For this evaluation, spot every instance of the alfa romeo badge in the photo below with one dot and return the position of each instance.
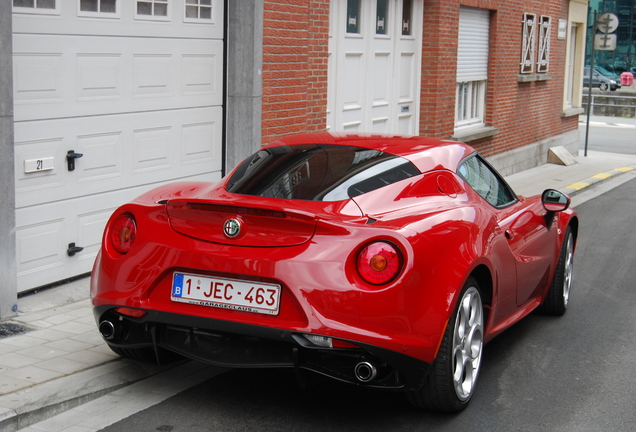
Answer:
(232, 227)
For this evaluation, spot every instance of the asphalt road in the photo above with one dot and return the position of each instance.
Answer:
(612, 135)
(573, 373)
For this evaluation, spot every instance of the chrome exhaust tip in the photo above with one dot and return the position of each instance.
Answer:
(365, 371)
(107, 330)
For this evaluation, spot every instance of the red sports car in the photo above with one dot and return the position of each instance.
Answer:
(380, 261)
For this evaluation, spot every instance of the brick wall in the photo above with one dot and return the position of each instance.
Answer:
(295, 55)
(295, 43)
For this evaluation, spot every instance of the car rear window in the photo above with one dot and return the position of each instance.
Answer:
(318, 172)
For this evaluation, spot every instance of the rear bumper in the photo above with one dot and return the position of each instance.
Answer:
(240, 345)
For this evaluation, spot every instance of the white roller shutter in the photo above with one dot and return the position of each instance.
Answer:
(472, 50)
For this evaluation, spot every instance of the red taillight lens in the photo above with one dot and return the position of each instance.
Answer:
(123, 233)
(379, 263)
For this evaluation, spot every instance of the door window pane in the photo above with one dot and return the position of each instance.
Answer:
(99, 6)
(198, 9)
(158, 8)
(37, 4)
(353, 16)
(407, 8)
(381, 17)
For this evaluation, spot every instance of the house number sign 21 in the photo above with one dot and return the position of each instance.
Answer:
(37, 165)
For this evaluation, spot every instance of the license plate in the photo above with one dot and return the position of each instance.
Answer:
(224, 293)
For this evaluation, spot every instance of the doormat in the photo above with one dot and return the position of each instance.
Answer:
(12, 328)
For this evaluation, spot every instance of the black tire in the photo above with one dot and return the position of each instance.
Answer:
(146, 355)
(450, 382)
(603, 86)
(558, 297)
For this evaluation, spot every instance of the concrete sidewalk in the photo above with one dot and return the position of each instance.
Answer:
(52, 358)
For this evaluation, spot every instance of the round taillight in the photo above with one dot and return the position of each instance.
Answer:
(123, 233)
(379, 263)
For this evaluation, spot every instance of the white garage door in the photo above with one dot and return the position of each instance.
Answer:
(135, 88)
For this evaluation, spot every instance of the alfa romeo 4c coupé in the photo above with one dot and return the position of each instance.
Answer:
(380, 261)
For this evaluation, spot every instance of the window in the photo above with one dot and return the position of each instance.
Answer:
(196, 10)
(470, 103)
(407, 7)
(318, 172)
(569, 91)
(574, 32)
(98, 9)
(543, 62)
(529, 58)
(37, 4)
(99, 6)
(152, 9)
(381, 17)
(486, 182)
(528, 43)
(472, 67)
(49, 7)
(353, 16)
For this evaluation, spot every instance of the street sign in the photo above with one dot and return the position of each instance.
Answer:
(607, 23)
(605, 42)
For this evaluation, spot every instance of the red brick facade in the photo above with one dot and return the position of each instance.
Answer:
(295, 43)
(295, 56)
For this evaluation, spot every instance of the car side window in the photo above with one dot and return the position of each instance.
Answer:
(486, 182)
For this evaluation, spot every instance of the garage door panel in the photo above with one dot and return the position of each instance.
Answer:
(39, 150)
(201, 74)
(102, 156)
(101, 76)
(126, 22)
(152, 75)
(36, 246)
(37, 78)
(199, 144)
(152, 149)
(118, 151)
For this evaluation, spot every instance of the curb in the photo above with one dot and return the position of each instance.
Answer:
(25, 407)
(578, 187)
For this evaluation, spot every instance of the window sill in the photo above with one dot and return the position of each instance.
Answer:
(570, 112)
(534, 77)
(473, 134)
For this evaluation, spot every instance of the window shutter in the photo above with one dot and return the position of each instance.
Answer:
(472, 49)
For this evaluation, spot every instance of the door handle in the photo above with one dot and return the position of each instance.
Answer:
(72, 249)
(70, 159)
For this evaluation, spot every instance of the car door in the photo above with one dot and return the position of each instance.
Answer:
(522, 221)
(531, 242)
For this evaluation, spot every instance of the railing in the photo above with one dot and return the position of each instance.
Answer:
(612, 105)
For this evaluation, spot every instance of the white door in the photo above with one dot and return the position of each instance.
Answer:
(135, 88)
(374, 66)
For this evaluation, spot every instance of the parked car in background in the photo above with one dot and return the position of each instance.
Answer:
(381, 261)
(600, 80)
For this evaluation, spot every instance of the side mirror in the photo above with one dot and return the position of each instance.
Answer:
(555, 201)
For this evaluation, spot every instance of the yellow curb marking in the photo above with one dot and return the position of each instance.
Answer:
(578, 186)
(602, 176)
(624, 169)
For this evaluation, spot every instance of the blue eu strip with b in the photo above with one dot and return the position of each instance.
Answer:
(177, 286)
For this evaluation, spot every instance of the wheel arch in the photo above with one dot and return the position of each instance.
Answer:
(574, 225)
(483, 276)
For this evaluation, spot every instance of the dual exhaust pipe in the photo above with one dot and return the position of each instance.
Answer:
(365, 371)
(107, 330)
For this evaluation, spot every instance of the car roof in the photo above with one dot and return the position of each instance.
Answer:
(426, 154)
